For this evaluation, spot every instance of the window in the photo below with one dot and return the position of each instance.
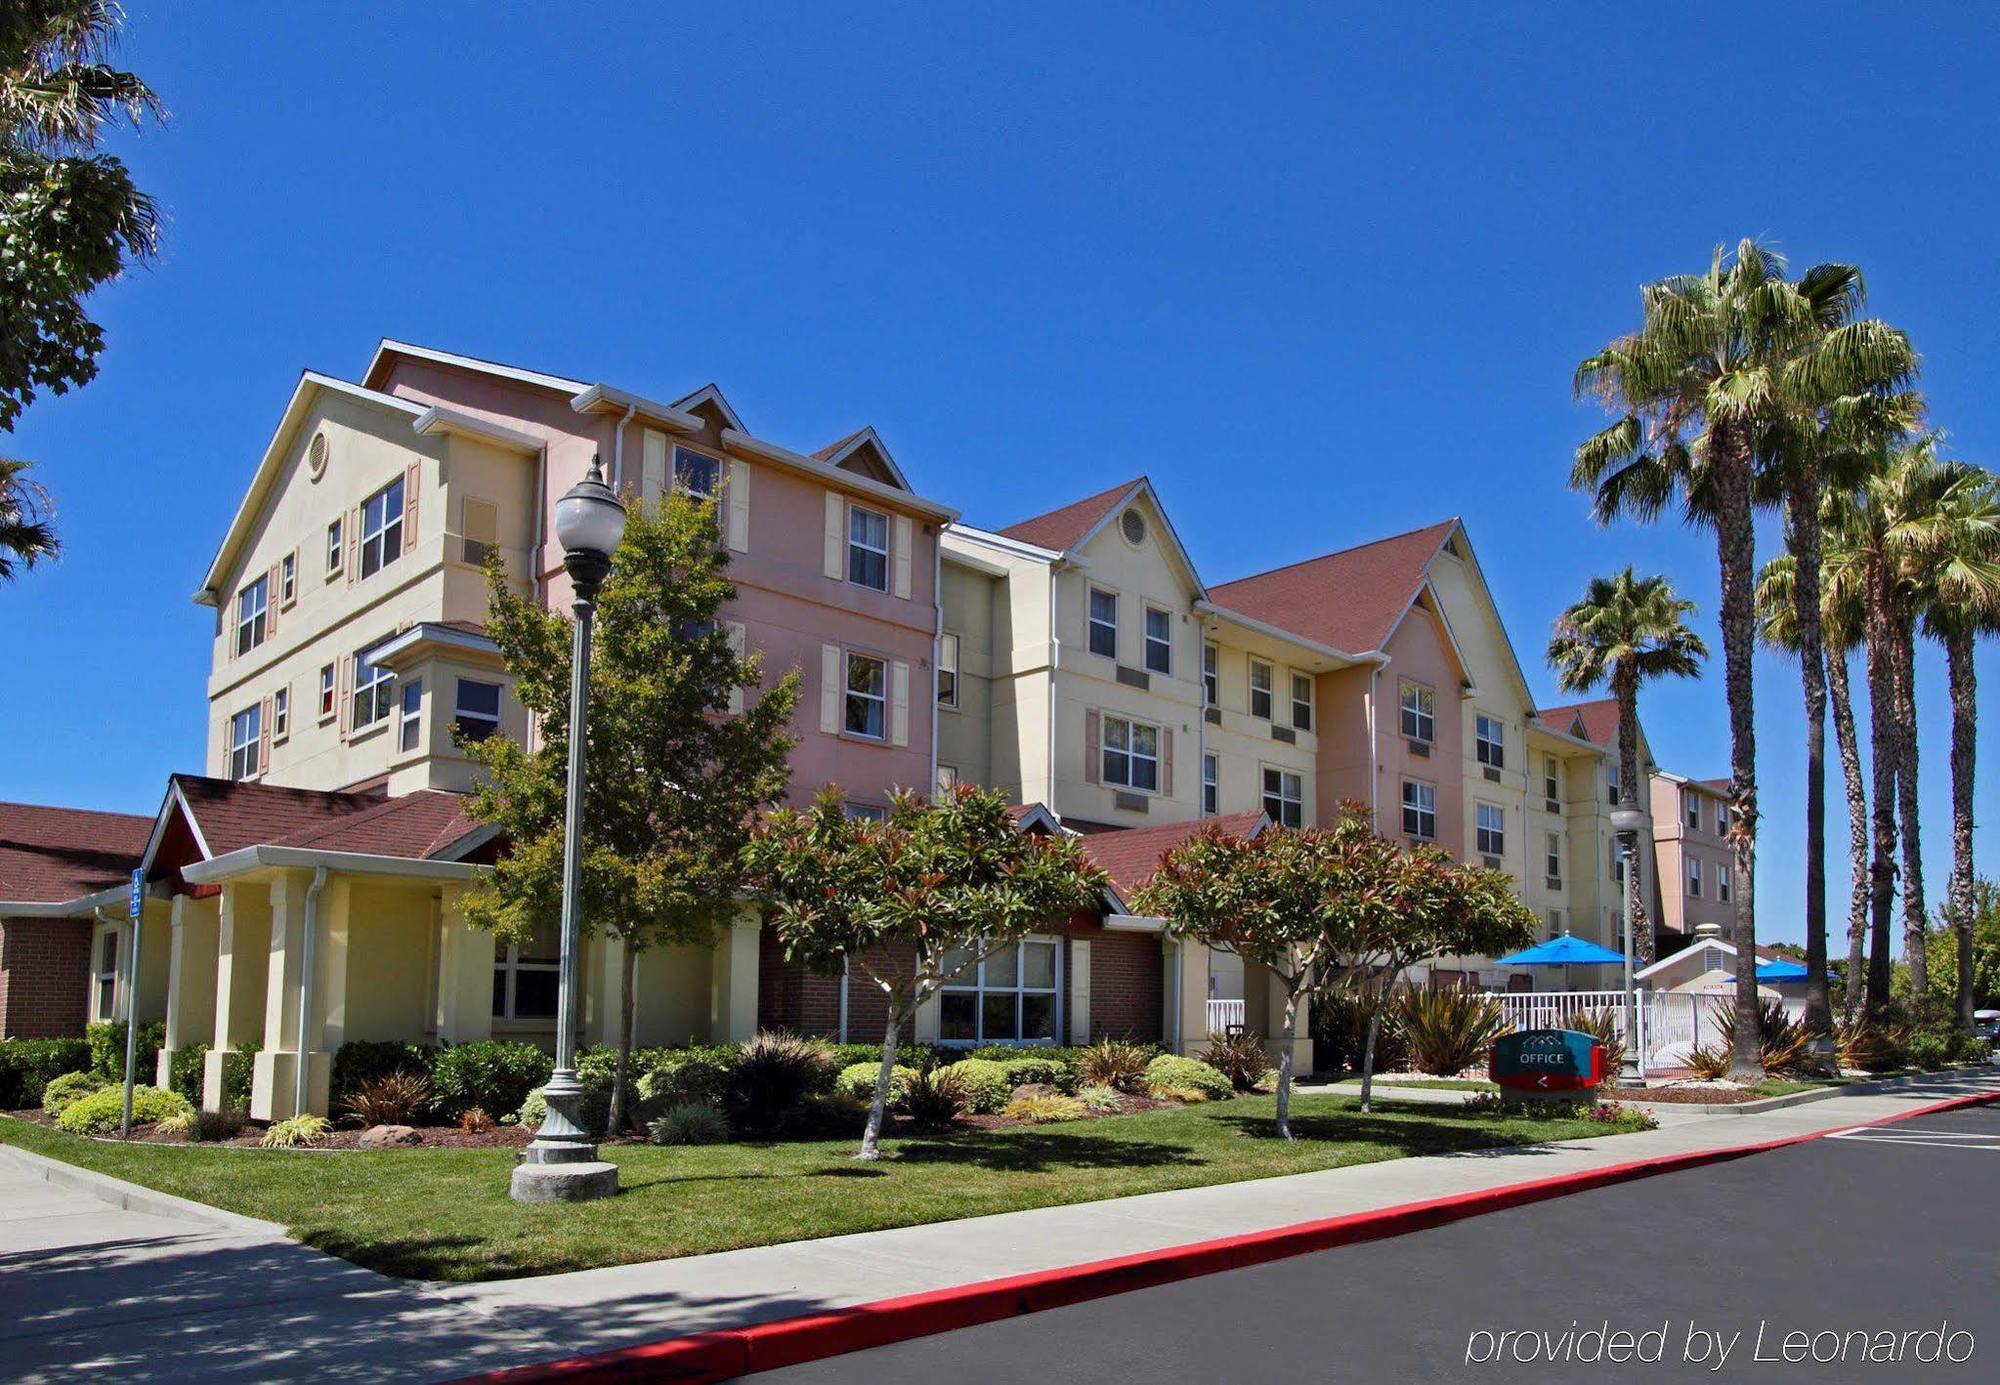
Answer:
(288, 579)
(481, 531)
(1211, 692)
(107, 974)
(1211, 792)
(1104, 623)
(867, 548)
(411, 726)
(864, 812)
(1302, 702)
(252, 607)
(1722, 882)
(1693, 811)
(1555, 856)
(1694, 878)
(1284, 798)
(1611, 783)
(947, 779)
(1551, 779)
(1490, 835)
(1555, 923)
(947, 671)
(701, 476)
(1260, 689)
(326, 693)
(246, 731)
(1724, 815)
(374, 691)
(1131, 755)
(382, 528)
(281, 713)
(476, 709)
(1419, 713)
(1159, 640)
(867, 696)
(1420, 810)
(1008, 998)
(1617, 863)
(526, 978)
(334, 550)
(1490, 741)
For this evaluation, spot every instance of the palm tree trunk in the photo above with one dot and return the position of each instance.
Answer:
(1964, 707)
(1625, 684)
(1842, 697)
(1882, 766)
(1736, 550)
(1804, 534)
(1906, 804)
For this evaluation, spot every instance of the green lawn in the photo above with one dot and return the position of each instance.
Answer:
(1438, 1084)
(1785, 1086)
(444, 1214)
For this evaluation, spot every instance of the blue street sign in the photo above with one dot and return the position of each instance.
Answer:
(138, 900)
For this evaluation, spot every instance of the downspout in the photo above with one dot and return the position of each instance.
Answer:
(1201, 735)
(844, 969)
(1374, 750)
(535, 583)
(1055, 654)
(618, 449)
(937, 643)
(307, 969)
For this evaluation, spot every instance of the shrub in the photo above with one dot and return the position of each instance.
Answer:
(238, 1070)
(211, 1126)
(1784, 1044)
(491, 1074)
(1170, 1073)
(1038, 1071)
(909, 1055)
(1040, 1110)
(690, 1123)
(358, 1062)
(677, 1076)
(1870, 1042)
(857, 1080)
(62, 1092)
(1340, 1031)
(474, 1121)
(935, 1097)
(180, 1124)
(395, 1099)
(1101, 1099)
(1602, 1025)
(107, 1047)
(102, 1111)
(1448, 1030)
(27, 1065)
(987, 1085)
(1110, 1063)
(773, 1075)
(1928, 1050)
(1238, 1057)
(185, 1071)
(300, 1132)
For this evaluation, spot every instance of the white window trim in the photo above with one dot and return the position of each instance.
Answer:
(947, 662)
(1298, 702)
(380, 534)
(336, 546)
(973, 983)
(329, 692)
(1130, 750)
(1270, 690)
(356, 725)
(1554, 853)
(1722, 882)
(1551, 779)
(1265, 795)
(462, 717)
(408, 721)
(288, 580)
(1694, 877)
(1489, 750)
(281, 715)
(1211, 675)
(245, 749)
(253, 607)
(721, 471)
(1421, 810)
(508, 960)
(106, 978)
(853, 543)
(1211, 783)
(847, 691)
(1480, 831)
(1091, 624)
(1417, 716)
(1166, 668)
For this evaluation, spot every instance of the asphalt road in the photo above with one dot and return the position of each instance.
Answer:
(1888, 1233)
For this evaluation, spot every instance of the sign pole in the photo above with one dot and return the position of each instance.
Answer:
(136, 908)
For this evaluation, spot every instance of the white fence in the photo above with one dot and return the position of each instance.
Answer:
(1222, 1014)
(1670, 1024)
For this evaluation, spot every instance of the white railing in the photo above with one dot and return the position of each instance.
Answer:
(1671, 1023)
(1222, 1014)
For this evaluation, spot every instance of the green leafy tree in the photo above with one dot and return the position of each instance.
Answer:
(70, 219)
(1978, 965)
(681, 759)
(1626, 631)
(914, 901)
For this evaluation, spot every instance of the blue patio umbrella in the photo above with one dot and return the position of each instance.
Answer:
(1562, 952)
(1783, 969)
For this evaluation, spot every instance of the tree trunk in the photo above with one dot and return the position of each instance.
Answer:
(1804, 534)
(1285, 1057)
(628, 1002)
(878, 1109)
(1842, 697)
(1906, 803)
(1958, 899)
(1736, 550)
(1882, 765)
(1625, 686)
(1375, 1028)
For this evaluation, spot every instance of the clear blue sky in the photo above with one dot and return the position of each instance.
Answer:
(1322, 275)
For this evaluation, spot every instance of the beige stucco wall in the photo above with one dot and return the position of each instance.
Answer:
(966, 732)
(1245, 745)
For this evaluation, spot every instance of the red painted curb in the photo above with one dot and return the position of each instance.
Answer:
(732, 1352)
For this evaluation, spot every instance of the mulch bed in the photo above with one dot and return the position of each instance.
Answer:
(339, 1138)
(1692, 1096)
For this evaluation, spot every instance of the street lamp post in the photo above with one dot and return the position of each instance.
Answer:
(562, 1164)
(1626, 824)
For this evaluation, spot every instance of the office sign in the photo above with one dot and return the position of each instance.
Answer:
(1547, 1060)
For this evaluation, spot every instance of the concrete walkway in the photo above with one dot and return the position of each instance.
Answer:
(164, 1291)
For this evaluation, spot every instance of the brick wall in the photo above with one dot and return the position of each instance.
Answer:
(791, 997)
(44, 977)
(1127, 971)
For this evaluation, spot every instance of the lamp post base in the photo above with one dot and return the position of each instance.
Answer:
(578, 1182)
(1629, 1078)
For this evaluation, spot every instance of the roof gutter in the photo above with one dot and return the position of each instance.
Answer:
(83, 906)
(602, 395)
(738, 441)
(251, 858)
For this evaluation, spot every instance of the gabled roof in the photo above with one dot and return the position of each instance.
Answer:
(1351, 600)
(1130, 855)
(862, 442)
(1693, 951)
(1065, 528)
(389, 346)
(1596, 722)
(710, 396)
(56, 855)
(227, 816)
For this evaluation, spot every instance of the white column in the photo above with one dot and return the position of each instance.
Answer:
(732, 996)
(1079, 991)
(465, 974)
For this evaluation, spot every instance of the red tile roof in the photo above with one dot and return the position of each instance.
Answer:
(1600, 720)
(1130, 855)
(1061, 529)
(54, 855)
(231, 815)
(1350, 600)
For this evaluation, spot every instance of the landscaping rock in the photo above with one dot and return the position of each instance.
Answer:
(1031, 1090)
(389, 1137)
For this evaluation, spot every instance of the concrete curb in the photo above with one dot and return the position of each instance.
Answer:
(131, 1197)
(728, 1353)
(1873, 1087)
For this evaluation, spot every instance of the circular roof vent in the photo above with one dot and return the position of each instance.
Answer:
(1132, 524)
(316, 456)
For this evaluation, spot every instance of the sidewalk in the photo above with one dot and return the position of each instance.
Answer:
(212, 1296)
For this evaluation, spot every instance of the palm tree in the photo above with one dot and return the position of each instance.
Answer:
(26, 533)
(1626, 631)
(1720, 362)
